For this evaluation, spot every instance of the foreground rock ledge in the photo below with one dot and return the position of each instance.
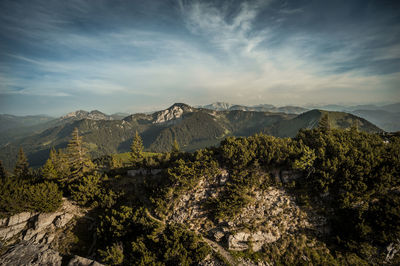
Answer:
(27, 238)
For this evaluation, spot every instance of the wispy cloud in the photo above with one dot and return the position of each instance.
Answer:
(195, 51)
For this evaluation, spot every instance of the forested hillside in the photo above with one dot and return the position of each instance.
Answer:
(193, 128)
(326, 197)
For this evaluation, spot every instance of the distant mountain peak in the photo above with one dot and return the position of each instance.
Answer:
(173, 112)
(75, 114)
(218, 106)
(82, 114)
(180, 105)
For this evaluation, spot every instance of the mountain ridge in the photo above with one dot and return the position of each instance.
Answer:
(193, 128)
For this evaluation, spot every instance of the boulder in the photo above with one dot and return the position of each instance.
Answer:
(260, 238)
(238, 241)
(63, 219)
(45, 219)
(218, 235)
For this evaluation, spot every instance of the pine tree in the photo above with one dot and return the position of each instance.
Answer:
(49, 170)
(325, 123)
(137, 150)
(21, 169)
(78, 157)
(175, 147)
(61, 163)
(355, 125)
(3, 173)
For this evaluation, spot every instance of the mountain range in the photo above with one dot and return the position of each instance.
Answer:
(222, 106)
(386, 117)
(193, 128)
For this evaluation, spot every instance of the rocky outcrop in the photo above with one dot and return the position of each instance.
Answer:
(30, 254)
(29, 237)
(172, 113)
(190, 209)
(38, 227)
(26, 253)
(271, 214)
(12, 226)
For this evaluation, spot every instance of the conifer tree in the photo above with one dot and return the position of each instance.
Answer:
(175, 147)
(49, 170)
(78, 157)
(61, 163)
(3, 174)
(137, 150)
(21, 169)
(324, 123)
(355, 125)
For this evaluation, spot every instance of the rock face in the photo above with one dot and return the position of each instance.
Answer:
(30, 254)
(190, 209)
(272, 214)
(81, 114)
(172, 113)
(26, 253)
(31, 236)
(12, 226)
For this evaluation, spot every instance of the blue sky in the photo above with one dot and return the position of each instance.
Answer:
(131, 56)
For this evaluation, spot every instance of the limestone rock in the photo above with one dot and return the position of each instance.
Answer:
(10, 231)
(63, 219)
(45, 219)
(19, 218)
(30, 254)
(218, 235)
(80, 261)
(3, 222)
(238, 241)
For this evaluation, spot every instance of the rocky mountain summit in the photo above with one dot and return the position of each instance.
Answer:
(81, 114)
(172, 113)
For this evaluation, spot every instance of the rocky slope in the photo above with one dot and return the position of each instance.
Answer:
(32, 238)
(273, 214)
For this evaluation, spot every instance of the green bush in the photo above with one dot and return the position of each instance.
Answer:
(18, 195)
(87, 190)
(44, 197)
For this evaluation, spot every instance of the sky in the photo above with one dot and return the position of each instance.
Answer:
(138, 56)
